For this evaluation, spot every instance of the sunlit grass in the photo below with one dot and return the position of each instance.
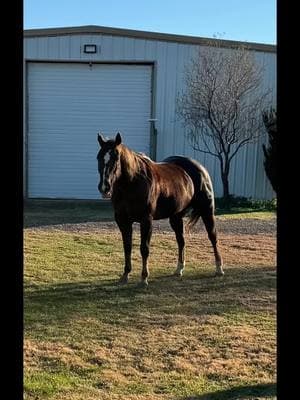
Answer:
(88, 338)
(250, 214)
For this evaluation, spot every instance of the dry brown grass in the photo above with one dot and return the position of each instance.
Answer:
(86, 338)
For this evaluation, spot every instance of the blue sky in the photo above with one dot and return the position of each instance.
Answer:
(244, 20)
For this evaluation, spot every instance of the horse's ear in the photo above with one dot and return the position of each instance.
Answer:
(118, 139)
(101, 140)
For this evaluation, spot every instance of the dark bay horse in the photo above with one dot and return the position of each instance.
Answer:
(142, 190)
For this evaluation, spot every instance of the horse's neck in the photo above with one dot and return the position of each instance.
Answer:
(130, 164)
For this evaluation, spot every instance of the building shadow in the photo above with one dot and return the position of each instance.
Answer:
(38, 213)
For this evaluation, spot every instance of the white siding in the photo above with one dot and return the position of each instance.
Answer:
(248, 176)
(68, 104)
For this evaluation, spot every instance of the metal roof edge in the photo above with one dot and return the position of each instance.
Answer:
(94, 29)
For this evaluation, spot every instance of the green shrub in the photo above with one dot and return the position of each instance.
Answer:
(244, 202)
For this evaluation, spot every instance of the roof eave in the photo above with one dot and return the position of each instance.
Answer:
(93, 29)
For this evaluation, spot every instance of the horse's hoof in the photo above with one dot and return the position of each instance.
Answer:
(123, 280)
(219, 273)
(178, 274)
(142, 285)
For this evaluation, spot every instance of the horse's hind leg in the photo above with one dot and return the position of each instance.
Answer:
(210, 225)
(176, 223)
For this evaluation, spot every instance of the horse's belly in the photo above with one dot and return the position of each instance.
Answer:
(167, 206)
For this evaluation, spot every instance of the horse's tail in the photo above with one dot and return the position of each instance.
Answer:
(203, 202)
(193, 218)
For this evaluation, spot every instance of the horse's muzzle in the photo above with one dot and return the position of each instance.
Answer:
(106, 195)
(105, 192)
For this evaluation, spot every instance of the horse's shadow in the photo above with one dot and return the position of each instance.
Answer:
(198, 294)
(253, 392)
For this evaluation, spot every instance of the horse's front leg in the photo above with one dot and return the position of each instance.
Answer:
(146, 232)
(125, 226)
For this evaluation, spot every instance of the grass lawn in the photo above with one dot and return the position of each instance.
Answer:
(196, 338)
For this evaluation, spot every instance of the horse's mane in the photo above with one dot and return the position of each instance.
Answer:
(134, 163)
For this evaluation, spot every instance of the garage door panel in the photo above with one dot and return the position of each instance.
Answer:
(68, 104)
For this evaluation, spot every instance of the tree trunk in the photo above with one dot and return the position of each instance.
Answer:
(225, 182)
(225, 165)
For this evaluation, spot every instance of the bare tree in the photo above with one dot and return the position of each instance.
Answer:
(222, 103)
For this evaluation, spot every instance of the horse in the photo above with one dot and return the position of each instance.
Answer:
(142, 190)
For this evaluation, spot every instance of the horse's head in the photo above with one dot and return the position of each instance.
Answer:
(108, 164)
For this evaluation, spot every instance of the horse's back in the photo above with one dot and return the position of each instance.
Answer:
(203, 188)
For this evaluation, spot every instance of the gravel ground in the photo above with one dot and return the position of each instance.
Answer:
(235, 226)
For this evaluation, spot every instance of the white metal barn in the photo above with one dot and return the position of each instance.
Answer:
(82, 80)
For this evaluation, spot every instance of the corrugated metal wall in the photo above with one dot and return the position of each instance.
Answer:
(247, 175)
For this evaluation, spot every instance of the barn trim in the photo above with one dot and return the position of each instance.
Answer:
(93, 29)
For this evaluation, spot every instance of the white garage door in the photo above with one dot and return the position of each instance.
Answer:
(68, 104)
